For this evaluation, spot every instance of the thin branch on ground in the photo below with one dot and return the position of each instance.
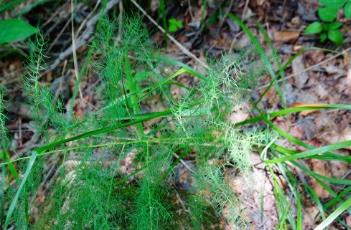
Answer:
(84, 38)
(309, 68)
(180, 46)
(75, 61)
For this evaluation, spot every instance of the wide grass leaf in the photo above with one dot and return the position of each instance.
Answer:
(12, 30)
(20, 188)
(312, 152)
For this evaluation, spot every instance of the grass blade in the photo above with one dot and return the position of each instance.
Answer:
(2, 193)
(11, 167)
(294, 140)
(148, 90)
(139, 119)
(20, 188)
(262, 54)
(294, 109)
(344, 193)
(312, 152)
(344, 206)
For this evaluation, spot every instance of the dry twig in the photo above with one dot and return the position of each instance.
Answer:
(74, 49)
(84, 38)
(181, 47)
(310, 67)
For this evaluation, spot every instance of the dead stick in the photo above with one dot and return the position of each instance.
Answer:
(310, 68)
(181, 47)
(83, 39)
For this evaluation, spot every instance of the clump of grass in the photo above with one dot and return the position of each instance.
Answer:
(284, 161)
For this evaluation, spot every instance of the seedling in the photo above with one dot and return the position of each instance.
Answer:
(174, 25)
(328, 27)
(327, 31)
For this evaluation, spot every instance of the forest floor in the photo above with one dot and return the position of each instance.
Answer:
(321, 74)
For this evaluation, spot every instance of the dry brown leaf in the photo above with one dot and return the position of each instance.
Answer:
(309, 215)
(336, 136)
(285, 36)
(332, 69)
(126, 164)
(348, 78)
(338, 168)
(348, 220)
(240, 113)
(260, 2)
(322, 168)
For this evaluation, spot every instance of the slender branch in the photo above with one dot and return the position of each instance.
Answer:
(180, 46)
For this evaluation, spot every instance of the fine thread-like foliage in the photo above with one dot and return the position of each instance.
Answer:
(3, 129)
(83, 199)
(4, 141)
(151, 207)
(90, 189)
(93, 188)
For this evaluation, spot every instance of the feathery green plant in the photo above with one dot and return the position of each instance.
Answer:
(90, 188)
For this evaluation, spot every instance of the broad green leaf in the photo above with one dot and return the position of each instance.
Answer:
(314, 28)
(12, 30)
(333, 3)
(135, 91)
(328, 14)
(335, 26)
(323, 37)
(336, 36)
(347, 10)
